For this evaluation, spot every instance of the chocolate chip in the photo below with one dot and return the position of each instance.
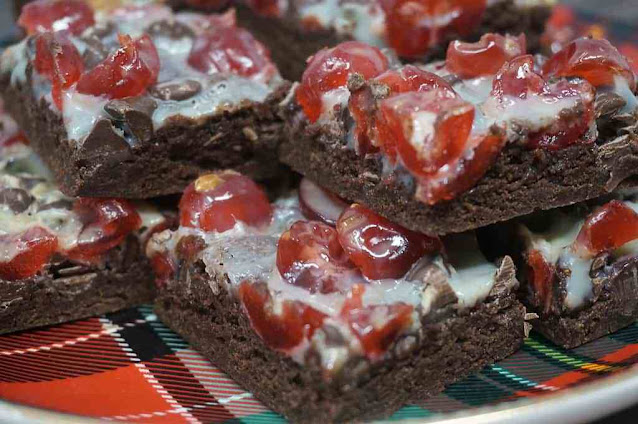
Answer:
(608, 104)
(171, 29)
(178, 91)
(64, 204)
(103, 139)
(133, 115)
(17, 199)
(96, 50)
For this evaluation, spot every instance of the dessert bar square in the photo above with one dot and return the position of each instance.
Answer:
(320, 329)
(137, 101)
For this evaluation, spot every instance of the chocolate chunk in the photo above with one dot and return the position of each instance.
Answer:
(65, 204)
(96, 50)
(188, 247)
(17, 199)
(608, 104)
(172, 29)
(180, 90)
(103, 139)
(134, 114)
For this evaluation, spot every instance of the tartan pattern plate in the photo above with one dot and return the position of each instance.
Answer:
(128, 366)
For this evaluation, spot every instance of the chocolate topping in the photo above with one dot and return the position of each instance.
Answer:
(103, 138)
(133, 114)
(176, 90)
(608, 104)
(96, 51)
(17, 199)
(58, 204)
(171, 29)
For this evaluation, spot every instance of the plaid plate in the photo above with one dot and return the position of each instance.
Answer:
(128, 366)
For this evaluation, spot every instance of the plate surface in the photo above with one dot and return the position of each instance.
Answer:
(129, 367)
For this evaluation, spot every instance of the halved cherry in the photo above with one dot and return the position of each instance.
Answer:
(429, 128)
(378, 326)
(231, 50)
(56, 15)
(329, 69)
(595, 60)
(164, 268)
(309, 255)
(378, 247)
(31, 250)
(58, 60)
(485, 57)
(217, 201)
(284, 330)
(126, 72)
(105, 224)
(541, 275)
(464, 172)
(319, 204)
(363, 104)
(414, 26)
(607, 228)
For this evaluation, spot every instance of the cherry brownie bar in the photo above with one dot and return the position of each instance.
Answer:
(326, 311)
(137, 101)
(489, 134)
(63, 258)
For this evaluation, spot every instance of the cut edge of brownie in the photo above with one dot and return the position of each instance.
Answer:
(245, 138)
(520, 182)
(450, 346)
(66, 292)
(291, 45)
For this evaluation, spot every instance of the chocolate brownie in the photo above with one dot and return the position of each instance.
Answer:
(579, 268)
(148, 134)
(515, 175)
(63, 258)
(270, 299)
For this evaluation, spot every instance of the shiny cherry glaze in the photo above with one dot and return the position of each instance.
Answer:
(485, 57)
(56, 15)
(128, 71)
(217, 201)
(414, 26)
(541, 275)
(282, 331)
(309, 255)
(517, 78)
(429, 129)
(595, 60)
(363, 105)
(607, 228)
(229, 49)
(318, 204)
(105, 224)
(461, 174)
(57, 59)
(378, 247)
(376, 337)
(329, 69)
(35, 247)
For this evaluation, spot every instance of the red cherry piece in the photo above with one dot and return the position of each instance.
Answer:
(33, 249)
(57, 59)
(607, 228)
(414, 26)
(518, 78)
(329, 69)
(319, 204)
(56, 15)
(363, 106)
(163, 267)
(595, 60)
(309, 255)
(429, 129)
(630, 51)
(461, 174)
(217, 201)
(485, 57)
(126, 72)
(378, 326)
(231, 50)
(378, 247)
(541, 275)
(105, 224)
(282, 331)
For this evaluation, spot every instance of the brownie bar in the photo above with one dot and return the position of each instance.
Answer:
(65, 291)
(450, 346)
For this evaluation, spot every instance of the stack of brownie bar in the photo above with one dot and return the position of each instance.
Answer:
(454, 192)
